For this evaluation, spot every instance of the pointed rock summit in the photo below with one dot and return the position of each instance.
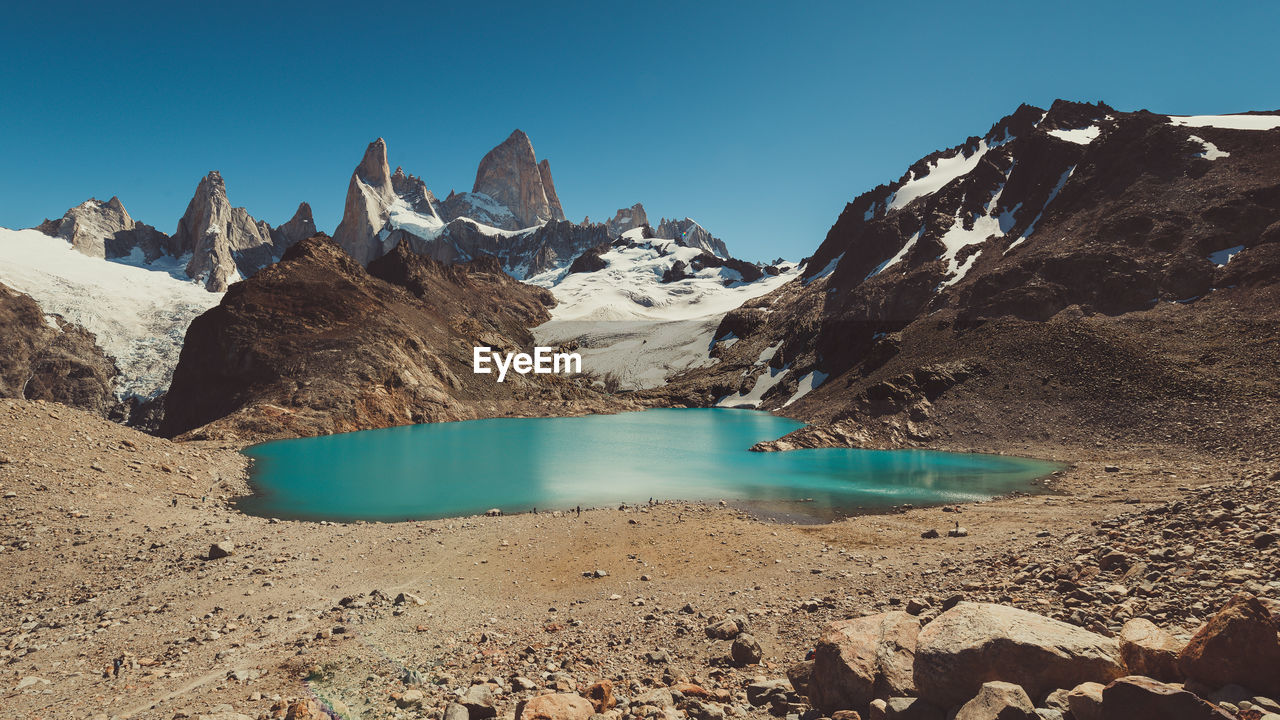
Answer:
(299, 227)
(369, 197)
(223, 241)
(511, 175)
(693, 235)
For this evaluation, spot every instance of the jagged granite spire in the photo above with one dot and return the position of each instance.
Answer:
(219, 238)
(510, 174)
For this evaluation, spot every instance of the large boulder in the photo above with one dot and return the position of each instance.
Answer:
(1238, 645)
(1149, 650)
(557, 706)
(857, 661)
(976, 643)
(998, 701)
(1142, 698)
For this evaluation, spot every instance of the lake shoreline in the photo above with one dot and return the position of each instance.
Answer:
(691, 455)
(109, 531)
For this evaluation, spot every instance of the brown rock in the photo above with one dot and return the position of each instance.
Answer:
(690, 690)
(1141, 698)
(745, 651)
(859, 660)
(305, 710)
(1085, 701)
(510, 174)
(800, 675)
(1150, 651)
(1238, 645)
(549, 186)
(627, 219)
(998, 701)
(601, 696)
(37, 362)
(557, 706)
(975, 643)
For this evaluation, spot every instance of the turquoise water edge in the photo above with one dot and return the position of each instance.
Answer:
(519, 464)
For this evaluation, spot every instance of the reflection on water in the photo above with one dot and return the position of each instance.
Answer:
(464, 468)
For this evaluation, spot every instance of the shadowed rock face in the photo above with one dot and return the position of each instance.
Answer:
(510, 174)
(1063, 258)
(316, 344)
(39, 362)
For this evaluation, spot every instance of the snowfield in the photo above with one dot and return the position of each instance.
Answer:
(139, 315)
(941, 172)
(1079, 136)
(1228, 122)
(630, 324)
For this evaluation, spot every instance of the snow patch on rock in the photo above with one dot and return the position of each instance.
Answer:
(139, 315)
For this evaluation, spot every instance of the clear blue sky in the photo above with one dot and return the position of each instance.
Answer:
(758, 119)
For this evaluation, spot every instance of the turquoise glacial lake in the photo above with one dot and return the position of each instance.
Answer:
(519, 464)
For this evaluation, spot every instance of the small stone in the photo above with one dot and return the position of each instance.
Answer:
(745, 651)
(221, 549)
(456, 711)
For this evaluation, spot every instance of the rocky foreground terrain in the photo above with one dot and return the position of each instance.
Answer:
(136, 589)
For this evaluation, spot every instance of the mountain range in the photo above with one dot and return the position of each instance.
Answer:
(1074, 266)
(1073, 270)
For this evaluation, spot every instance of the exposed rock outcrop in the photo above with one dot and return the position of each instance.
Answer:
(369, 197)
(627, 219)
(549, 186)
(48, 358)
(224, 242)
(690, 233)
(105, 230)
(299, 227)
(510, 174)
(1062, 250)
(316, 344)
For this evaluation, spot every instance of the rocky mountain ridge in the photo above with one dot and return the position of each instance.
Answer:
(1068, 257)
(512, 213)
(317, 344)
(214, 243)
